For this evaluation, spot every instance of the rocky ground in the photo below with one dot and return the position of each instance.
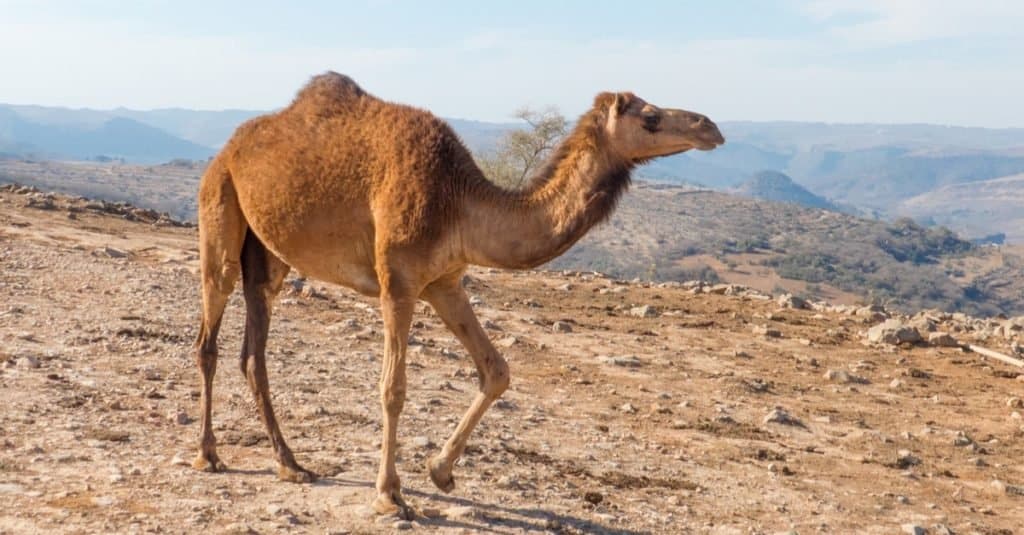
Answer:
(634, 408)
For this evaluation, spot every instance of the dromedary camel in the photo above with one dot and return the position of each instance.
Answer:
(385, 199)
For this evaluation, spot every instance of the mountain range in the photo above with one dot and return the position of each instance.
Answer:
(924, 171)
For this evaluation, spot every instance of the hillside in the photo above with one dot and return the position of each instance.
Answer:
(673, 233)
(976, 210)
(775, 186)
(716, 410)
(666, 232)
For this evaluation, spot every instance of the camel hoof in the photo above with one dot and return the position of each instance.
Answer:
(295, 474)
(392, 504)
(209, 463)
(440, 475)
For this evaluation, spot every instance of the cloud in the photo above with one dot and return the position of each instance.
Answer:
(903, 21)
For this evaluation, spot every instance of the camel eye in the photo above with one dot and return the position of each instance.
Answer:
(651, 122)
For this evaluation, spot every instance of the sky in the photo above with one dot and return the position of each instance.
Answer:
(953, 62)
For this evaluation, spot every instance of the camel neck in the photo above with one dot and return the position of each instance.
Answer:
(578, 188)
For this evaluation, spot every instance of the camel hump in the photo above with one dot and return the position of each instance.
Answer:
(329, 87)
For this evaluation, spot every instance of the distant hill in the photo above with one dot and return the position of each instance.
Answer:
(88, 136)
(775, 186)
(669, 233)
(865, 168)
(975, 209)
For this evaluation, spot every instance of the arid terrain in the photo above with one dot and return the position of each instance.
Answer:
(634, 407)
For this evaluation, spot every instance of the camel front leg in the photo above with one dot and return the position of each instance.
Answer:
(452, 305)
(397, 313)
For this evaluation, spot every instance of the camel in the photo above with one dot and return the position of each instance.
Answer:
(385, 199)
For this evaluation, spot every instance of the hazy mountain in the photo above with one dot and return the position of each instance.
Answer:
(875, 168)
(775, 186)
(86, 136)
(208, 128)
(975, 209)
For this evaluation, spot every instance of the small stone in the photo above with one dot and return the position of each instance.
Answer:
(792, 301)
(893, 332)
(179, 459)
(939, 339)
(778, 415)
(626, 362)
(507, 342)
(180, 417)
(895, 384)
(766, 331)
(1010, 490)
(507, 482)
(561, 327)
(402, 525)
(1015, 403)
(460, 512)
(28, 361)
(422, 442)
(113, 253)
(643, 311)
(913, 529)
(904, 459)
(628, 408)
(593, 497)
(842, 376)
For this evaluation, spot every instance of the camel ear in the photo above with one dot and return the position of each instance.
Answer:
(623, 102)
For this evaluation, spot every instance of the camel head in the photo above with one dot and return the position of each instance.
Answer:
(640, 130)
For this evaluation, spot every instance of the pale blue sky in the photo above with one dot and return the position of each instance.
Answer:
(892, 61)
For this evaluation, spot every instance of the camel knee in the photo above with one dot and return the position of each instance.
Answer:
(392, 398)
(496, 378)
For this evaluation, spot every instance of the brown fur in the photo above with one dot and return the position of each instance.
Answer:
(385, 199)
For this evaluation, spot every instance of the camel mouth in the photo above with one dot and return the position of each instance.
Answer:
(711, 144)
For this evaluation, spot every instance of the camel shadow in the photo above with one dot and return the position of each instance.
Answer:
(494, 518)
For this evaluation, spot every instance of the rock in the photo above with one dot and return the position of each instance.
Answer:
(842, 376)
(567, 287)
(896, 384)
(626, 362)
(913, 529)
(778, 415)
(402, 525)
(422, 442)
(894, 332)
(561, 327)
(905, 459)
(507, 482)
(460, 512)
(628, 408)
(764, 330)
(11, 488)
(643, 311)
(792, 301)
(28, 361)
(1009, 490)
(488, 324)
(507, 342)
(939, 339)
(1015, 403)
(113, 253)
(593, 497)
(180, 417)
(180, 459)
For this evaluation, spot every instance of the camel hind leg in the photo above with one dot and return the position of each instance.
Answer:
(262, 276)
(221, 229)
